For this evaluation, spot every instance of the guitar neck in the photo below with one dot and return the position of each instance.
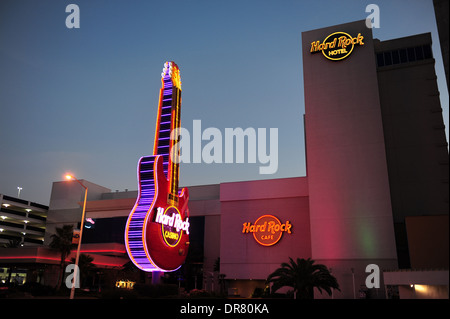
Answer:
(168, 120)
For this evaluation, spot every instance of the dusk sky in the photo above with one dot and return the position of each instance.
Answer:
(85, 100)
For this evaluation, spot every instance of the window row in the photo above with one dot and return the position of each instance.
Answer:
(418, 53)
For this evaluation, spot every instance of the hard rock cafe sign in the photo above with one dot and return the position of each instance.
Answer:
(267, 229)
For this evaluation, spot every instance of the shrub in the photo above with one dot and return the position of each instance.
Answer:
(36, 289)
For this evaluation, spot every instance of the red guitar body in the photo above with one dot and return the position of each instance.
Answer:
(164, 255)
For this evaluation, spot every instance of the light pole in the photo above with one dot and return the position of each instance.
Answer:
(75, 272)
(18, 192)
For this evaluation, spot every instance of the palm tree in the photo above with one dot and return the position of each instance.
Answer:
(62, 241)
(13, 243)
(303, 275)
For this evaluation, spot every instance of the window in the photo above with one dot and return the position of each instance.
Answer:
(403, 56)
(380, 59)
(419, 53)
(387, 58)
(395, 57)
(411, 55)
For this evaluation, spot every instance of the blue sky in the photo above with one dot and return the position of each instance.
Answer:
(84, 100)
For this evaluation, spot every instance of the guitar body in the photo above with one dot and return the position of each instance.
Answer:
(157, 229)
(147, 244)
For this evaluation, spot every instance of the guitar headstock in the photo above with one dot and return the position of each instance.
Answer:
(172, 71)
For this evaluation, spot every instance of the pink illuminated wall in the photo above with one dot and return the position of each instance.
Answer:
(349, 196)
(241, 256)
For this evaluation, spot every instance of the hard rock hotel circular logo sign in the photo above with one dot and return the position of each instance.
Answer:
(267, 230)
(337, 46)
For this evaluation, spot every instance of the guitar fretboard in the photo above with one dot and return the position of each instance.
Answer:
(168, 120)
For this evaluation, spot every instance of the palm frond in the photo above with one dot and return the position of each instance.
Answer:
(303, 275)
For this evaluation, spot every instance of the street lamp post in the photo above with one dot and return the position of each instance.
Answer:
(75, 272)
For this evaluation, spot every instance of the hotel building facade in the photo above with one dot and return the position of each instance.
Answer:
(376, 190)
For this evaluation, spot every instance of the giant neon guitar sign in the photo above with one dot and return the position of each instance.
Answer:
(157, 229)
